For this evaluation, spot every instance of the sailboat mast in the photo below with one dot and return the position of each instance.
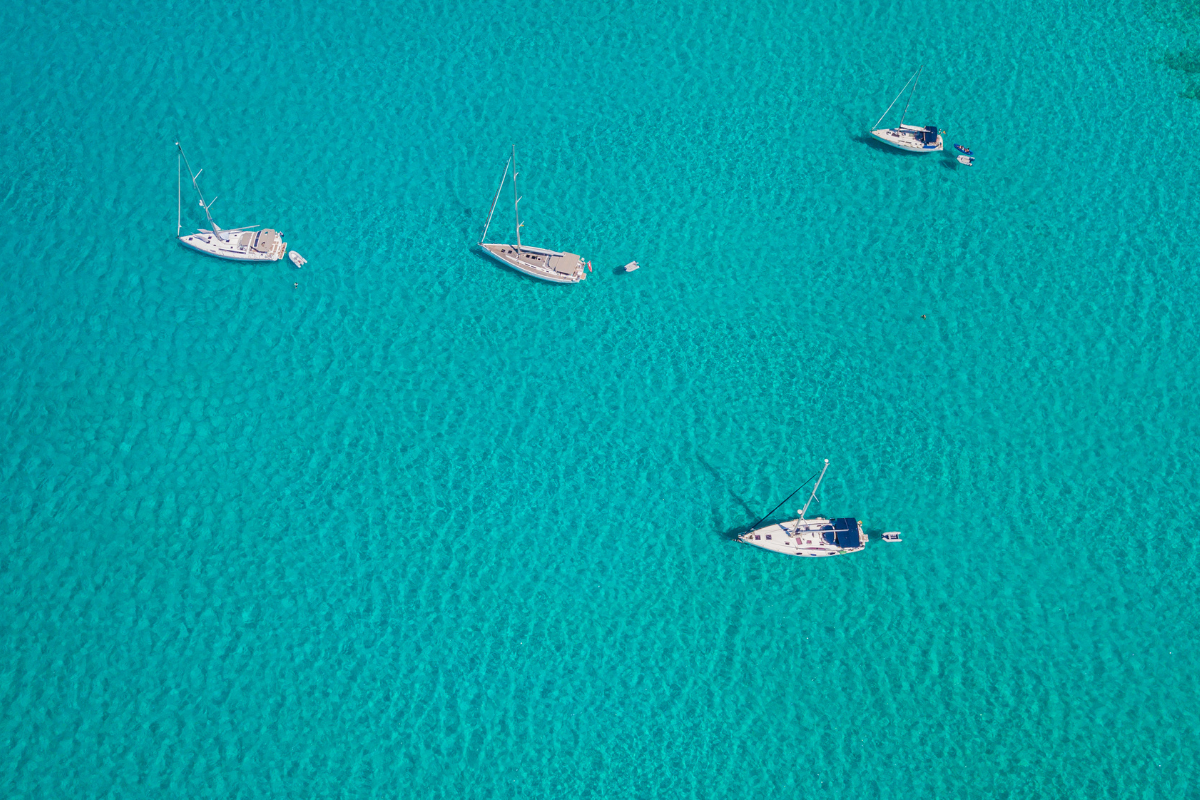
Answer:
(516, 200)
(196, 186)
(492, 210)
(917, 79)
(804, 510)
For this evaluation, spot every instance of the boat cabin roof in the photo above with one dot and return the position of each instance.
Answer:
(264, 240)
(564, 263)
(845, 532)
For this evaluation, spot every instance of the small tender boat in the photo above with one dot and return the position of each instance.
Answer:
(631, 266)
(966, 151)
(966, 161)
(891, 536)
(913, 138)
(297, 259)
(812, 538)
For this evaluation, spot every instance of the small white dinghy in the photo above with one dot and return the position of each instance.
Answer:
(631, 266)
(297, 259)
(966, 161)
(891, 536)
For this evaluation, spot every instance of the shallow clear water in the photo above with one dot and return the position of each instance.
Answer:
(405, 524)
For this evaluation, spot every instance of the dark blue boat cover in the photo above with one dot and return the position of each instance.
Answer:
(929, 135)
(845, 531)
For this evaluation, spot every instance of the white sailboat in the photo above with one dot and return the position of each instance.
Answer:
(913, 138)
(811, 538)
(536, 262)
(236, 244)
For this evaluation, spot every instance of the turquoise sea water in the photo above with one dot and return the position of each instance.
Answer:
(418, 526)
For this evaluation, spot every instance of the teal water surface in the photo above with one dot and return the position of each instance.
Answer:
(406, 524)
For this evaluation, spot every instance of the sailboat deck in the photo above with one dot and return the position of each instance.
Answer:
(537, 262)
(907, 137)
(265, 245)
(815, 537)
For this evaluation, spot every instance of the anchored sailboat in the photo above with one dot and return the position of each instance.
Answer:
(235, 244)
(913, 138)
(536, 262)
(812, 538)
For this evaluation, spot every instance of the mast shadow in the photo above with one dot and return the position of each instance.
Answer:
(730, 534)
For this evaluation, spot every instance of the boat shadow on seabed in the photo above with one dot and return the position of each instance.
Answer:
(730, 534)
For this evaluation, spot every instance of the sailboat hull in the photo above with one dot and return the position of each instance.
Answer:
(550, 266)
(264, 245)
(810, 538)
(906, 138)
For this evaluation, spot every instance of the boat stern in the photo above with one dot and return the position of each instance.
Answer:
(268, 242)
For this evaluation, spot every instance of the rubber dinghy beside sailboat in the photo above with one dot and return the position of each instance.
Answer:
(812, 538)
(236, 244)
(913, 138)
(536, 262)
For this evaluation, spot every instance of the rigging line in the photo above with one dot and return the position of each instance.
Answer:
(516, 202)
(910, 94)
(492, 210)
(193, 176)
(889, 108)
(789, 497)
